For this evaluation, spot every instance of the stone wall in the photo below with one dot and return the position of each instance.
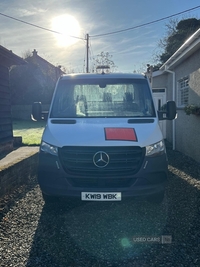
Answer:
(17, 167)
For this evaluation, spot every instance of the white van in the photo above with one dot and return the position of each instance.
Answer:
(102, 141)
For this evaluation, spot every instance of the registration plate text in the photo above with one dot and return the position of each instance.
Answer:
(96, 196)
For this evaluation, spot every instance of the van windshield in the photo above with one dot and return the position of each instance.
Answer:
(102, 98)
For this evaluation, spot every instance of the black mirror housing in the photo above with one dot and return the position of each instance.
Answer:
(168, 112)
(36, 111)
(171, 110)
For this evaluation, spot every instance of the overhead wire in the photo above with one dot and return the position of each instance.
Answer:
(39, 27)
(144, 24)
(103, 34)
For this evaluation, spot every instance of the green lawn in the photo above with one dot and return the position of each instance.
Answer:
(31, 131)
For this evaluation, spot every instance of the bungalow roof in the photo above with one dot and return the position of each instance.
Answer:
(8, 58)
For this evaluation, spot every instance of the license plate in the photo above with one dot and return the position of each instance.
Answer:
(96, 196)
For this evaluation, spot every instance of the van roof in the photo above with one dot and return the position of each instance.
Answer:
(103, 76)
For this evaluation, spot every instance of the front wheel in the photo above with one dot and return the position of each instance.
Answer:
(156, 198)
(49, 199)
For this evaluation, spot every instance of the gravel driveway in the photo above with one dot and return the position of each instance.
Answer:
(130, 233)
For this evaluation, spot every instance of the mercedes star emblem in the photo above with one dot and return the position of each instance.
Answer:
(101, 159)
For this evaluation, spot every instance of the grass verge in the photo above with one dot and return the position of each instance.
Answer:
(31, 131)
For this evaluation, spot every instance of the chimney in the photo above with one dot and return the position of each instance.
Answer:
(34, 53)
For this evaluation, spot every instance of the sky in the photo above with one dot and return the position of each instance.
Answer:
(130, 50)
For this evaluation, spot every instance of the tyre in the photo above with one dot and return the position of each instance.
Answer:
(156, 198)
(49, 199)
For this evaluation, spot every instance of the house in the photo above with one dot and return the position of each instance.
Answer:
(45, 67)
(7, 59)
(34, 82)
(179, 79)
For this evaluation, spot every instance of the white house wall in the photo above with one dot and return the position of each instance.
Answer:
(187, 128)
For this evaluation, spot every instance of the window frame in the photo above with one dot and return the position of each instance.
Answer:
(183, 92)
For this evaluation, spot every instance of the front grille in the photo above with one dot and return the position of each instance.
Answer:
(123, 161)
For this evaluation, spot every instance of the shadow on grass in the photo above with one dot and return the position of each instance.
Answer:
(27, 124)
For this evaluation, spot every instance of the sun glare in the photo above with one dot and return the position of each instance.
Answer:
(68, 26)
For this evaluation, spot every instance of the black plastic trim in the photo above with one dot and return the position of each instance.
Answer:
(141, 121)
(63, 121)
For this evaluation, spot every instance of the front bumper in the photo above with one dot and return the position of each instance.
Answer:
(54, 181)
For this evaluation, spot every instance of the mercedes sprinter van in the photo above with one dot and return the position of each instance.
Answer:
(102, 140)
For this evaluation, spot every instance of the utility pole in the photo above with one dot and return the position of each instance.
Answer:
(149, 73)
(87, 53)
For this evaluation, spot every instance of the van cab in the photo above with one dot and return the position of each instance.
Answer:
(102, 140)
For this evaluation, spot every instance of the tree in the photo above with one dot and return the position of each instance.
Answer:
(25, 89)
(177, 34)
(104, 59)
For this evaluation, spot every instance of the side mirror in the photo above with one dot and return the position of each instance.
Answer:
(171, 110)
(36, 111)
(168, 111)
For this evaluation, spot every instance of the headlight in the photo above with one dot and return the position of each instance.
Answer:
(47, 148)
(155, 149)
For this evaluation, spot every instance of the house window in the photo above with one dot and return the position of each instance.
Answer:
(183, 92)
